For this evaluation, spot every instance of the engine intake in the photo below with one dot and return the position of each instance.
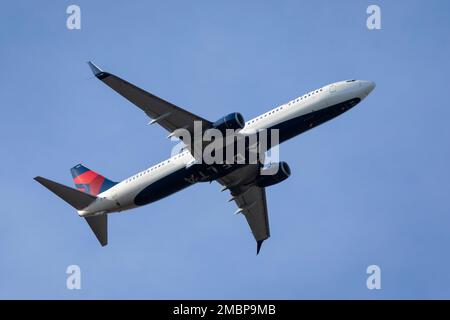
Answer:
(233, 121)
(266, 179)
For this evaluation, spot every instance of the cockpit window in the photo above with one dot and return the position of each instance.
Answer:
(353, 80)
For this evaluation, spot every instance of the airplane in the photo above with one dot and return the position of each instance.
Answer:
(96, 196)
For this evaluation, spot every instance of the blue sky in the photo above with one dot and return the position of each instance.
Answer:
(370, 187)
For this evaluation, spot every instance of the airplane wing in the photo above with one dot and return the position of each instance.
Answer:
(251, 201)
(168, 115)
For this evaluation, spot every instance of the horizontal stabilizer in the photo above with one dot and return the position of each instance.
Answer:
(99, 225)
(77, 199)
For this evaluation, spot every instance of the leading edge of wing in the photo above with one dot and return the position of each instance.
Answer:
(168, 115)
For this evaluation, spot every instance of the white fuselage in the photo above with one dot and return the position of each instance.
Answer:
(121, 196)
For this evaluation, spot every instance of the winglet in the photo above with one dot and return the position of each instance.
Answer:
(99, 73)
(95, 70)
(258, 246)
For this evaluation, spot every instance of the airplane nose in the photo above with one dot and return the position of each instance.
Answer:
(369, 86)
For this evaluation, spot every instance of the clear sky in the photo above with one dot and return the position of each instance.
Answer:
(370, 187)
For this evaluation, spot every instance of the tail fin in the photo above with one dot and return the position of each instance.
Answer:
(89, 181)
(79, 200)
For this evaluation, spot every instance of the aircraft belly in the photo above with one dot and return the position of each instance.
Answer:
(163, 187)
(300, 124)
(184, 177)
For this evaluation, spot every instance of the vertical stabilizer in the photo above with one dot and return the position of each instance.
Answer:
(89, 181)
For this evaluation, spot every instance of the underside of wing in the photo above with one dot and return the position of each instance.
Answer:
(250, 199)
(168, 115)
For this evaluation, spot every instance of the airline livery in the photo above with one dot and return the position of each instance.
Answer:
(96, 196)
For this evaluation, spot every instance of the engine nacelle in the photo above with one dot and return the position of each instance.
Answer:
(233, 121)
(266, 180)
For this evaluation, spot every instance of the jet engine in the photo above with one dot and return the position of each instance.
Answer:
(268, 178)
(233, 121)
